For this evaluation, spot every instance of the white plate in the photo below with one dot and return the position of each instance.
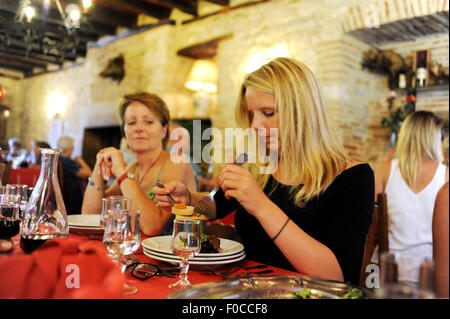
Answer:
(84, 221)
(196, 258)
(194, 262)
(161, 244)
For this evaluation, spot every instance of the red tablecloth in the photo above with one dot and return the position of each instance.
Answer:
(155, 287)
(26, 176)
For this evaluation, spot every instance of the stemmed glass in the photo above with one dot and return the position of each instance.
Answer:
(9, 218)
(122, 237)
(185, 243)
(111, 204)
(20, 195)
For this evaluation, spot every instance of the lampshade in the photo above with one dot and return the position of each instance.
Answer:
(203, 76)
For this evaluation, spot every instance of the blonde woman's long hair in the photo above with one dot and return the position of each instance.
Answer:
(310, 155)
(418, 140)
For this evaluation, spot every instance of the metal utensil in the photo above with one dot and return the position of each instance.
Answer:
(167, 195)
(252, 273)
(225, 274)
(204, 203)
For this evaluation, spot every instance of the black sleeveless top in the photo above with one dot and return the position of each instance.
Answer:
(339, 218)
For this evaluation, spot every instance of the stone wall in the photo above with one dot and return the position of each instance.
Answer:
(309, 30)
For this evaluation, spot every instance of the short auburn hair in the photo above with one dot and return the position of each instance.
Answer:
(153, 102)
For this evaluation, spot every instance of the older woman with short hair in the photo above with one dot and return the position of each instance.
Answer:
(144, 119)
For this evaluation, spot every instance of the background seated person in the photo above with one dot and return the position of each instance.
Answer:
(74, 170)
(17, 154)
(144, 119)
(411, 182)
(34, 157)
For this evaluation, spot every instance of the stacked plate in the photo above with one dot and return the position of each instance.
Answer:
(85, 223)
(159, 249)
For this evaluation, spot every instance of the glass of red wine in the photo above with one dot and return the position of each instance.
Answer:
(9, 218)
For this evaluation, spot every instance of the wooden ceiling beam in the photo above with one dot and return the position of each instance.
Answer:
(9, 66)
(33, 55)
(95, 13)
(135, 8)
(220, 2)
(26, 60)
(189, 7)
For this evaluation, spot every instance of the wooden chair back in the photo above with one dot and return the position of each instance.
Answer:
(378, 235)
(5, 171)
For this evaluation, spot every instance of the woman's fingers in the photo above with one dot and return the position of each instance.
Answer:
(163, 202)
(229, 184)
(232, 193)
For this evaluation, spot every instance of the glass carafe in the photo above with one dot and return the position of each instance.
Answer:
(45, 214)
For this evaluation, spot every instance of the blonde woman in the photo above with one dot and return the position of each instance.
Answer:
(411, 182)
(144, 121)
(313, 213)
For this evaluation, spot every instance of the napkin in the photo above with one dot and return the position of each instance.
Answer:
(61, 268)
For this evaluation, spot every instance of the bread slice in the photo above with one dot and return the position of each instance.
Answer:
(187, 212)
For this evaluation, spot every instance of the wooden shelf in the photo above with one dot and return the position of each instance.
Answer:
(433, 88)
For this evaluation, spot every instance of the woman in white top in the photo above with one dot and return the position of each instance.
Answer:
(411, 183)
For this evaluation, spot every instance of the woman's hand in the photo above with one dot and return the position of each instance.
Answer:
(240, 184)
(176, 189)
(110, 162)
(5, 246)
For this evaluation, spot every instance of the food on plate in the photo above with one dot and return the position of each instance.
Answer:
(187, 212)
(304, 294)
(210, 244)
(182, 209)
(352, 294)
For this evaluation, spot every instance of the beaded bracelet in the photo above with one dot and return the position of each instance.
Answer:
(287, 221)
(91, 182)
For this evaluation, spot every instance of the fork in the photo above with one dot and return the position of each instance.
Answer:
(204, 203)
(225, 274)
(167, 195)
(252, 273)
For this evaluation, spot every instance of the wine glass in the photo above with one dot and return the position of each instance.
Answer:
(20, 195)
(185, 243)
(111, 204)
(9, 218)
(122, 237)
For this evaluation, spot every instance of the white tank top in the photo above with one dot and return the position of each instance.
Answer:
(410, 221)
(411, 214)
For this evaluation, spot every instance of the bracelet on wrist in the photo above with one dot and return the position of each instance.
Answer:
(91, 182)
(282, 228)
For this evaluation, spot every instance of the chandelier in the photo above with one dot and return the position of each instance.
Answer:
(36, 29)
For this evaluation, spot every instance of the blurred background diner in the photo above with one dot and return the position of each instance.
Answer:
(66, 65)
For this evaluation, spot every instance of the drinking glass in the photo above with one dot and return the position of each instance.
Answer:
(122, 237)
(9, 219)
(111, 204)
(405, 276)
(185, 243)
(20, 193)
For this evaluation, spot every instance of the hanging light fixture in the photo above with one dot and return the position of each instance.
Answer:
(86, 5)
(29, 13)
